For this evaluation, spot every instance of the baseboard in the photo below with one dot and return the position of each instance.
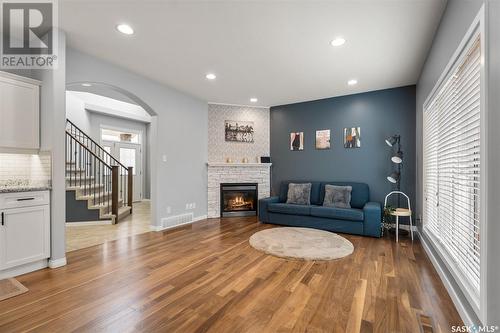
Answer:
(55, 263)
(87, 223)
(161, 228)
(23, 269)
(461, 308)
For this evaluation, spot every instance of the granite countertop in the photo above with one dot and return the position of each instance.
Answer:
(23, 186)
(13, 189)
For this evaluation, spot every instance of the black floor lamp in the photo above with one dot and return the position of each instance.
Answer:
(395, 176)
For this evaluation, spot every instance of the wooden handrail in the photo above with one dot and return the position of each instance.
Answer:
(95, 143)
(90, 151)
(114, 191)
(119, 183)
(130, 185)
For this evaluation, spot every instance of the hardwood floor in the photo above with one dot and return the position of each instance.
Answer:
(205, 277)
(80, 237)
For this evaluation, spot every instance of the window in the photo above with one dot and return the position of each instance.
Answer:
(452, 165)
(127, 158)
(119, 136)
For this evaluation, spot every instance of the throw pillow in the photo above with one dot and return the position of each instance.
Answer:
(299, 194)
(337, 196)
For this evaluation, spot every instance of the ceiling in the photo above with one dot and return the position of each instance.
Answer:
(277, 51)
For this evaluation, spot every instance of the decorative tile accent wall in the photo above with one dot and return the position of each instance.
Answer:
(259, 174)
(22, 169)
(219, 150)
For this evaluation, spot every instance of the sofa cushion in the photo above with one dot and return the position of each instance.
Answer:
(290, 209)
(299, 194)
(360, 193)
(350, 214)
(315, 188)
(337, 196)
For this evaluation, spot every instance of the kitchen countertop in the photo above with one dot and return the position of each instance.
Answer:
(23, 185)
(27, 188)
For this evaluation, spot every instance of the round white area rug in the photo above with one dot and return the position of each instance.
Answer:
(301, 243)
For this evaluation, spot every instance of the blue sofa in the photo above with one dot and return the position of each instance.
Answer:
(364, 218)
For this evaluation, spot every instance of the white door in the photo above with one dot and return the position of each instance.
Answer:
(128, 154)
(24, 235)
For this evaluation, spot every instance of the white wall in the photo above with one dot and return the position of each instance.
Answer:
(52, 134)
(456, 20)
(76, 113)
(179, 132)
(219, 150)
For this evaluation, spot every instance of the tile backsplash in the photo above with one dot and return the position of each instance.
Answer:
(23, 169)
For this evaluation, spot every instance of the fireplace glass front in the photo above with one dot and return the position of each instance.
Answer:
(238, 199)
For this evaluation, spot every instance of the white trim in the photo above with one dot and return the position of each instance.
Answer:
(483, 294)
(478, 27)
(241, 105)
(55, 263)
(20, 78)
(87, 223)
(455, 58)
(110, 112)
(161, 228)
(267, 165)
(23, 269)
(464, 314)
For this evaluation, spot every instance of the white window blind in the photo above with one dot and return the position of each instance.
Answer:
(451, 179)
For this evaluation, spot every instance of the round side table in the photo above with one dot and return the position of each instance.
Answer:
(403, 212)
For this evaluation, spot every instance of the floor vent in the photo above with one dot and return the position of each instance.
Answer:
(176, 220)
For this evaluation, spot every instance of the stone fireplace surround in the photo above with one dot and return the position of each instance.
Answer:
(218, 173)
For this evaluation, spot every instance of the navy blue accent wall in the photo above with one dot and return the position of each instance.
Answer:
(379, 114)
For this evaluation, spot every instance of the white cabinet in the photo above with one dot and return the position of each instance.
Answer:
(19, 112)
(24, 228)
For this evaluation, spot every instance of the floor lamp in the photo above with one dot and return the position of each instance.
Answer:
(397, 158)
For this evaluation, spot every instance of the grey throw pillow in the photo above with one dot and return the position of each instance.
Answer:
(337, 196)
(299, 194)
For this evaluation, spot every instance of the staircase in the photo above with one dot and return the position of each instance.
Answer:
(98, 187)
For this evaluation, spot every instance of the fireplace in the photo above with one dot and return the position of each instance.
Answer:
(238, 199)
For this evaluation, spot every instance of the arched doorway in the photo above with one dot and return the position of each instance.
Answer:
(106, 123)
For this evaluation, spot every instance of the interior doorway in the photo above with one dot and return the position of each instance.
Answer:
(118, 126)
(125, 145)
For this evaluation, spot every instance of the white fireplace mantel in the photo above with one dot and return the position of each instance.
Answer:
(267, 165)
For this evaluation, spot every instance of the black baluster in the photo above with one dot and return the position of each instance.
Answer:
(80, 163)
(94, 176)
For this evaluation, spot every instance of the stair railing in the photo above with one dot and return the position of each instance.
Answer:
(100, 169)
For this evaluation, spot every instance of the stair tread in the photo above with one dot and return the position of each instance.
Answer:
(88, 186)
(121, 211)
(105, 205)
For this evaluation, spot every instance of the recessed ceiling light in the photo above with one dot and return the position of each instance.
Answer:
(338, 41)
(211, 76)
(254, 100)
(86, 85)
(352, 82)
(125, 29)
